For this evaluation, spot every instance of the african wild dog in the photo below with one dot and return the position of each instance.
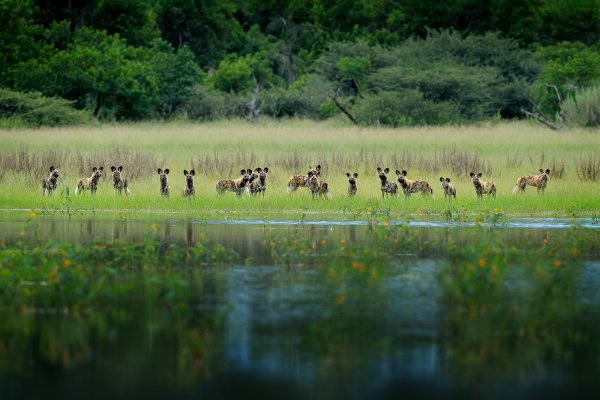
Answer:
(387, 187)
(297, 181)
(318, 186)
(90, 183)
(482, 187)
(49, 184)
(119, 183)
(352, 189)
(164, 182)
(539, 181)
(189, 189)
(238, 186)
(260, 185)
(449, 189)
(409, 186)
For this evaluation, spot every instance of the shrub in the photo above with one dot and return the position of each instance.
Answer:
(34, 110)
(583, 109)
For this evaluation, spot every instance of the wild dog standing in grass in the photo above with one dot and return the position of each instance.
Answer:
(318, 186)
(119, 183)
(482, 187)
(189, 189)
(260, 185)
(449, 189)
(387, 187)
(164, 182)
(409, 186)
(238, 186)
(539, 181)
(352, 189)
(49, 184)
(297, 181)
(90, 183)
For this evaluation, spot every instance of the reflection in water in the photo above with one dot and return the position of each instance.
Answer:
(311, 311)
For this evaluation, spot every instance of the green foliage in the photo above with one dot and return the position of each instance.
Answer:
(583, 108)
(568, 66)
(34, 110)
(405, 108)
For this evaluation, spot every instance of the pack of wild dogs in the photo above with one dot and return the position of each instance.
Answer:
(254, 182)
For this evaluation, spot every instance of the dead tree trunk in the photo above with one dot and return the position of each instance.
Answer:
(541, 117)
(252, 106)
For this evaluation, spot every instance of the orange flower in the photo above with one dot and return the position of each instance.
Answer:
(66, 263)
(482, 262)
(556, 263)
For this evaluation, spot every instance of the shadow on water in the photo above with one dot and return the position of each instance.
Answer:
(186, 309)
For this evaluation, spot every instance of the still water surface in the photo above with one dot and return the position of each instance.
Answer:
(262, 329)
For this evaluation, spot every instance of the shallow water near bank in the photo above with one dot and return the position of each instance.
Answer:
(270, 325)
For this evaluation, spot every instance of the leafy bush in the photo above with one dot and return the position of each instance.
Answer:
(583, 109)
(34, 110)
(405, 108)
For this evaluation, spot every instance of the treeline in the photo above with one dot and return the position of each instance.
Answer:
(392, 62)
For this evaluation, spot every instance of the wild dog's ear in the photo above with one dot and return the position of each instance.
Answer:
(471, 174)
(479, 175)
(243, 172)
(355, 175)
(348, 174)
(112, 168)
(259, 170)
(159, 171)
(167, 171)
(404, 172)
(51, 168)
(548, 171)
(94, 169)
(310, 173)
(252, 177)
(318, 167)
(448, 180)
(541, 171)
(266, 170)
(386, 170)
(120, 168)
(397, 172)
(101, 168)
(185, 172)
(193, 173)
(441, 179)
(379, 169)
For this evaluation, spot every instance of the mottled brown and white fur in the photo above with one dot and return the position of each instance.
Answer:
(165, 190)
(297, 181)
(238, 186)
(90, 183)
(409, 186)
(189, 189)
(387, 187)
(449, 188)
(50, 183)
(259, 185)
(482, 187)
(539, 181)
(119, 183)
(352, 188)
(317, 186)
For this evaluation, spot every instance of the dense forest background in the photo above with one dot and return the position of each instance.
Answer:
(391, 62)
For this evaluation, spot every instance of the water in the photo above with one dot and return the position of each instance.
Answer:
(263, 328)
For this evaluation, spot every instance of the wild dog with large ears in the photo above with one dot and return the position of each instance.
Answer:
(50, 183)
(119, 183)
(449, 188)
(164, 182)
(189, 189)
(539, 181)
(352, 188)
(482, 187)
(409, 186)
(90, 183)
(387, 187)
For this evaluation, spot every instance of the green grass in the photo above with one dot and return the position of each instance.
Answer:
(220, 149)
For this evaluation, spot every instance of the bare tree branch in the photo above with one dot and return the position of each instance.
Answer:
(251, 105)
(342, 108)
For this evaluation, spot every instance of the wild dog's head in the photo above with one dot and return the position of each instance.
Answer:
(402, 177)
(97, 172)
(315, 171)
(189, 176)
(163, 175)
(54, 173)
(261, 173)
(313, 179)
(445, 182)
(116, 172)
(352, 178)
(246, 174)
(544, 175)
(383, 173)
(476, 178)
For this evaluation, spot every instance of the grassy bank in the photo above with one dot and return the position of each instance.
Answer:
(219, 150)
